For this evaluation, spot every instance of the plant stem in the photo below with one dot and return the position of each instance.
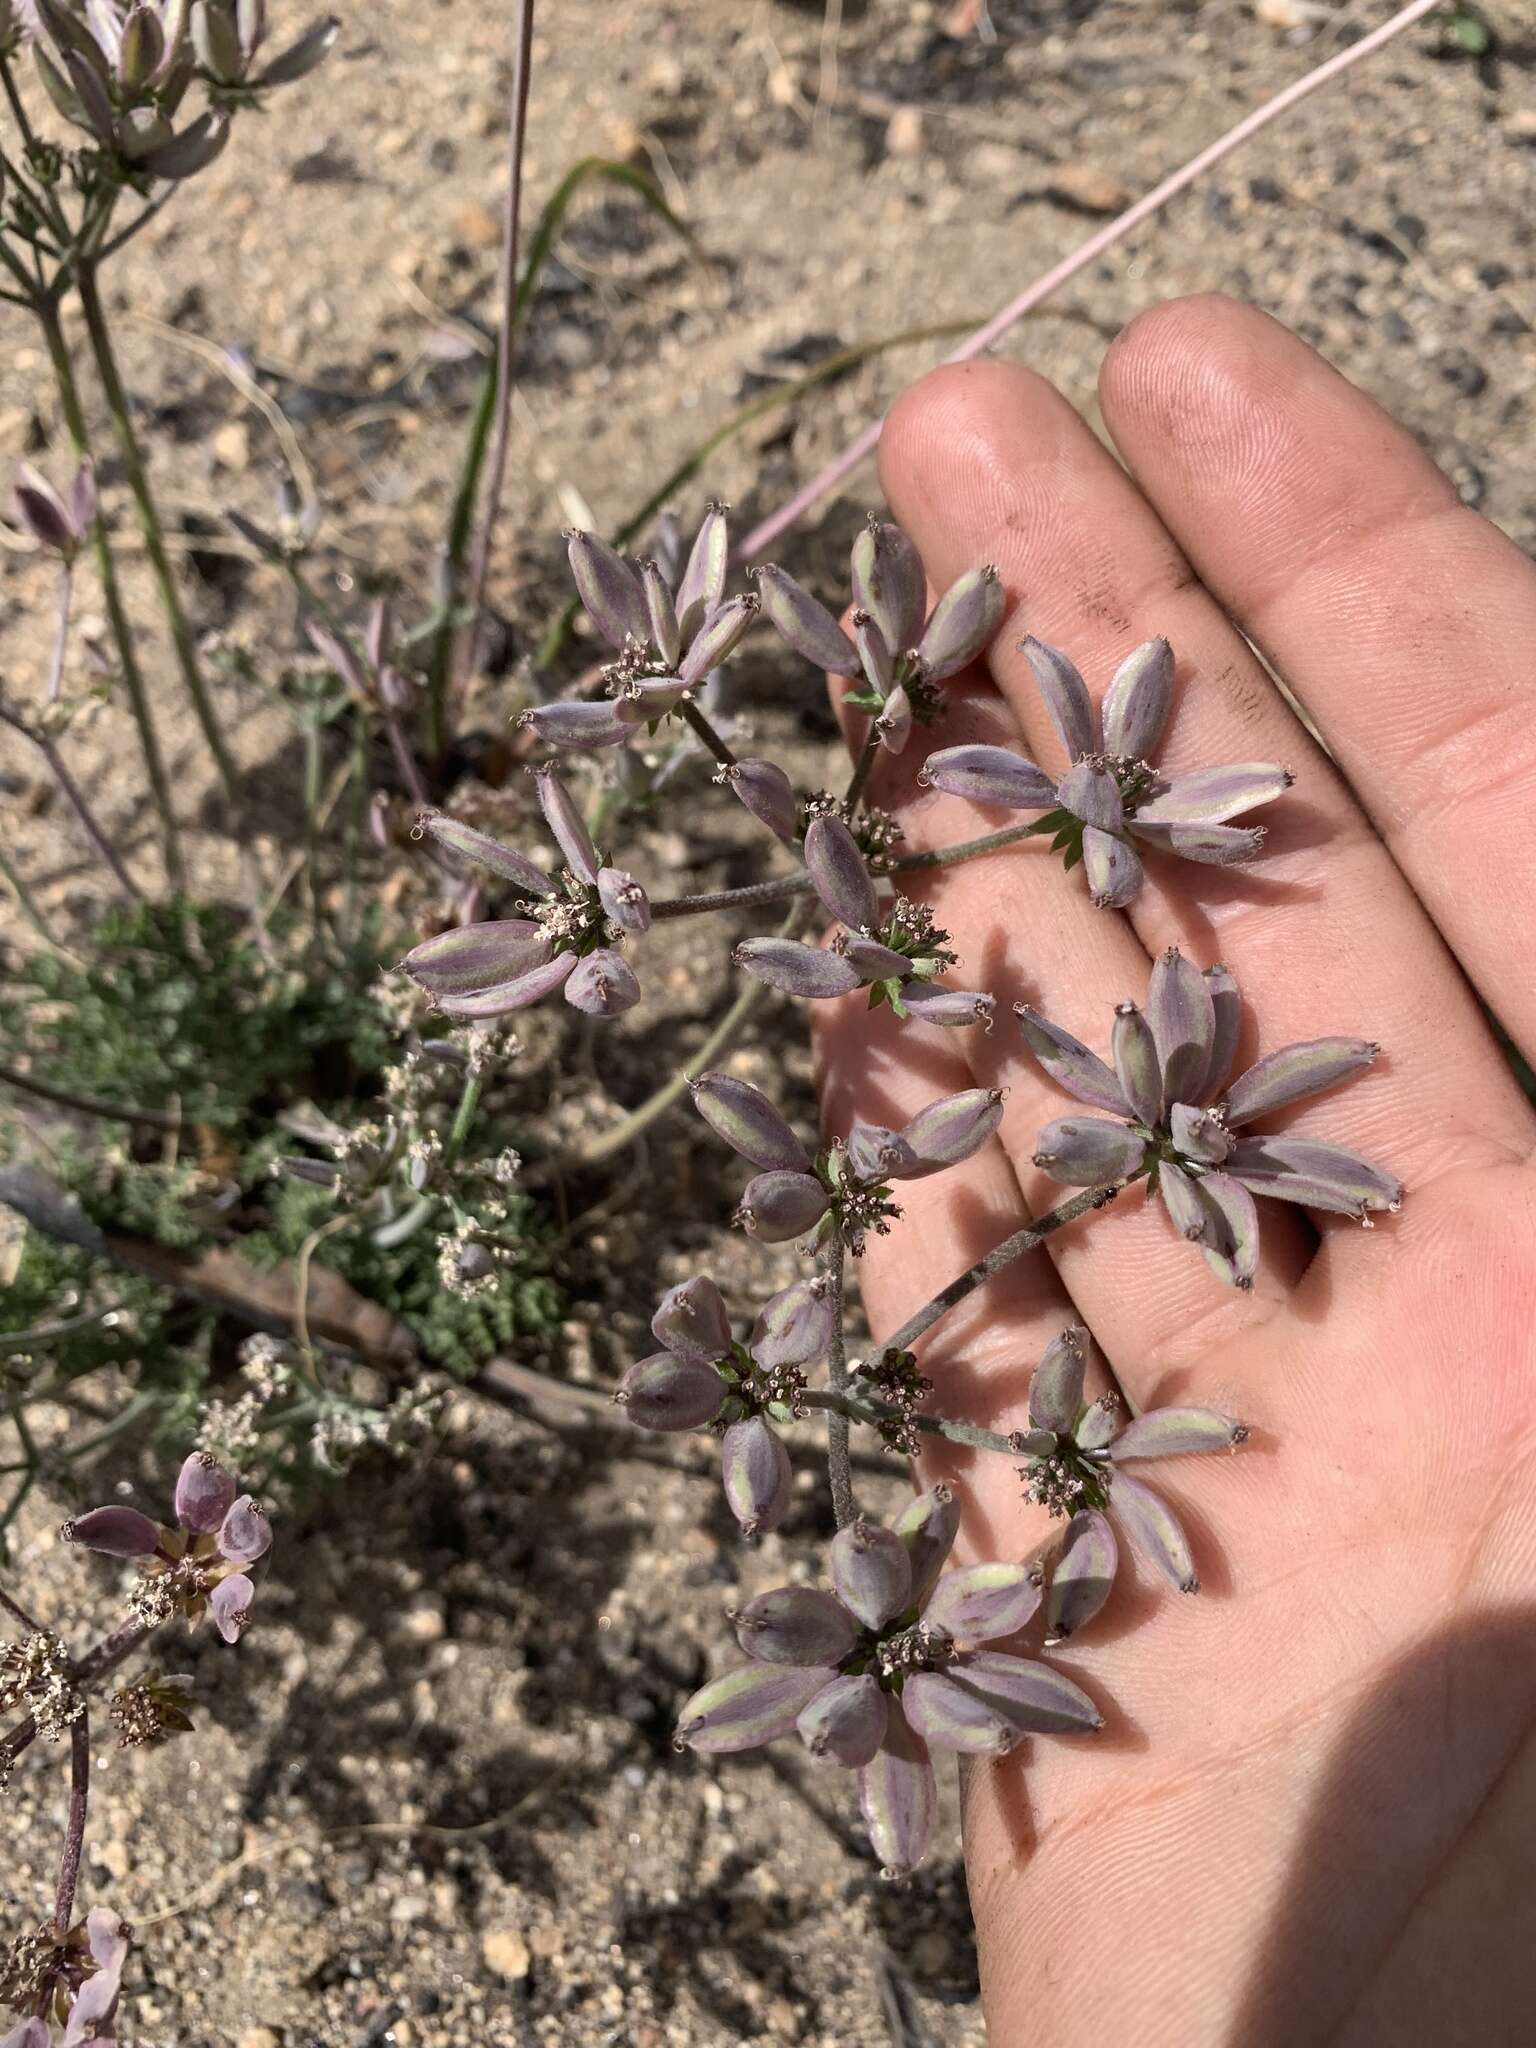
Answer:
(75, 798)
(154, 538)
(849, 1407)
(695, 718)
(1004, 1254)
(98, 1663)
(868, 754)
(517, 129)
(18, 1613)
(112, 597)
(74, 1829)
(839, 1471)
(464, 1115)
(89, 1105)
(31, 909)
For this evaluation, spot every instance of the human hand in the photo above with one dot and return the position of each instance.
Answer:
(1311, 1815)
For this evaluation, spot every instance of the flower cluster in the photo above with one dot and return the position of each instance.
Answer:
(34, 1674)
(77, 1981)
(890, 1664)
(1110, 793)
(199, 1564)
(1177, 1114)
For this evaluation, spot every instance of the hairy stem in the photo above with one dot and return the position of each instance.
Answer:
(694, 717)
(839, 1471)
(74, 1827)
(841, 1407)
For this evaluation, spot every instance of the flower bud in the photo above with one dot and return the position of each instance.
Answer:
(871, 1572)
(602, 985)
(718, 637)
(474, 957)
(609, 589)
(929, 1002)
(1069, 1062)
(795, 1326)
(928, 1527)
(703, 583)
(1112, 870)
(205, 1493)
(839, 873)
(1154, 1531)
(951, 1716)
(889, 584)
(1137, 700)
(1183, 1024)
(899, 1799)
(1066, 697)
(1093, 795)
(795, 1625)
(1056, 1385)
(1212, 795)
(116, 1532)
(981, 1601)
(566, 823)
(1199, 1135)
(748, 1122)
(752, 1705)
(1087, 1152)
(484, 852)
(777, 1206)
(1178, 1433)
(804, 623)
(962, 622)
(1136, 1064)
(768, 794)
(846, 1721)
(665, 634)
(1293, 1072)
(811, 972)
(990, 775)
(667, 1392)
(952, 1128)
(1084, 1574)
(576, 725)
(1038, 1699)
(624, 899)
(754, 1469)
(691, 1319)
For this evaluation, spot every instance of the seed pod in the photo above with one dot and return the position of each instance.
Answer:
(1293, 1072)
(703, 583)
(301, 57)
(1137, 700)
(1087, 1152)
(205, 1493)
(484, 852)
(1056, 1385)
(953, 1128)
(1212, 795)
(889, 584)
(748, 1122)
(565, 822)
(1083, 1575)
(230, 1605)
(752, 1705)
(810, 972)
(718, 637)
(990, 775)
(1183, 1023)
(795, 1625)
(839, 874)
(961, 624)
(928, 1527)
(1181, 1197)
(576, 726)
(1154, 1531)
(1322, 1176)
(624, 899)
(1136, 1064)
(666, 1392)
(141, 48)
(1093, 795)
(1066, 697)
(876, 657)
(931, 1003)
(316, 1171)
(116, 1532)
(1199, 1135)
(609, 589)
(871, 960)
(768, 794)
(871, 1572)
(876, 1154)
(795, 1326)
(754, 1469)
(899, 1799)
(1231, 1246)
(250, 25)
(893, 727)
(245, 1532)
(529, 987)
(1069, 1062)
(217, 43)
(602, 985)
(1227, 1007)
(777, 1206)
(39, 510)
(983, 1601)
(691, 1319)
(470, 958)
(846, 1721)
(1097, 1424)
(1216, 846)
(954, 1717)
(1039, 1699)
(804, 623)
(1178, 1433)
(665, 633)
(649, 698)
(1112, 870)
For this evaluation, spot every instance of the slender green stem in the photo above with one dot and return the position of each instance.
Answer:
(154, 538)
(464, 1115)
(695, 718)
(843, 1407)
(1014, 1247)
(117, 616)
(845, 1508)
(30, 908)
(862, 768)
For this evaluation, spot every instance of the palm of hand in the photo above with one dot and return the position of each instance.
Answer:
(1310, 1815)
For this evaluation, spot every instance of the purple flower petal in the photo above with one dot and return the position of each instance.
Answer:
(230, 1605)
(982, 1601)
(1038, 1698)
(1292, 1073)
(754, 1469)
(1111, 868)
(1227, 1006)
(1087, 1152)
(1181, 1198)
(876, 656)
(1066, 697)
(666, 634)
(205, 1493)
(795, 1625)
(1154, 1531)
(1212, 795)
(1092, 794)
(703, 583)
(899, 1798)
(1136, 703)
(666, 1392)
(648, 698)
(115, 1532)
(1070, 1064)
(1083, 1575)
(893, 726)
(1183, 1022)
(846, 1721)
(718, 637)
(871, 1572)
(1199, 1135)
(245, 1532)
(748, 1122)
(870, 960)
(747, 1707)
(989, 775)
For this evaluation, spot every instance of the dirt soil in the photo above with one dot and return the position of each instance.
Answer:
(433, 1797)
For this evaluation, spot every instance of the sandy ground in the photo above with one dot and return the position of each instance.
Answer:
(433, 1797)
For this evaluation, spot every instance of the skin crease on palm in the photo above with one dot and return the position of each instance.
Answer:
(1311, 1814)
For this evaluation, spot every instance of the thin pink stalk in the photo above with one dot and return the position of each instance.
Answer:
(769, 529)
(517, 129)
